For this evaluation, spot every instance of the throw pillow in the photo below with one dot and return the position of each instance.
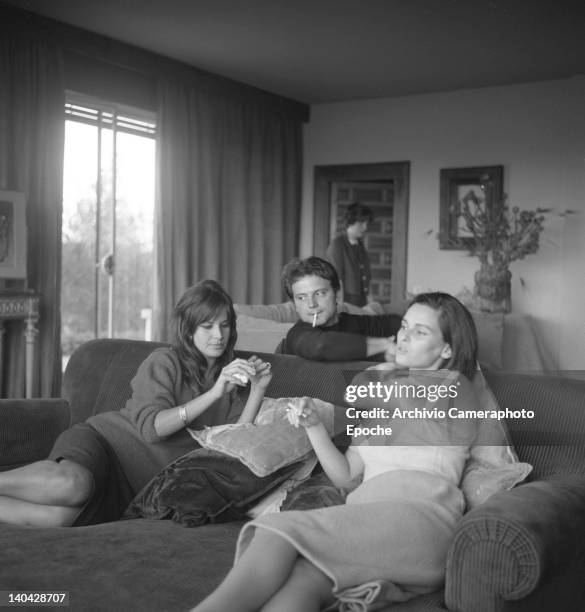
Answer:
(316, 492)
(269, 443)
(274, 500)
(202, 487)
(493, 464)
(493, 446)
(480, 482)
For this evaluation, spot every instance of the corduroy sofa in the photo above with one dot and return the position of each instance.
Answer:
(523, 549)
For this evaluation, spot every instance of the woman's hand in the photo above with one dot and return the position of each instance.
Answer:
(263, 372)
(302, 412)
(236, 373)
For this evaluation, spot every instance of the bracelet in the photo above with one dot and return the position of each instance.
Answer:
(183, 415)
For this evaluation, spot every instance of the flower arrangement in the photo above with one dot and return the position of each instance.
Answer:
(500, 234)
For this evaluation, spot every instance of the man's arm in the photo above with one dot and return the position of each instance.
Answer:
(375, 346)
(376, 326)
(379, 330)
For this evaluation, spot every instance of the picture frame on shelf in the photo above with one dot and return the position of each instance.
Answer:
(457, 184)
(13, 234)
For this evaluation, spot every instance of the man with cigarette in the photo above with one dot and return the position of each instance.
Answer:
(323, 333)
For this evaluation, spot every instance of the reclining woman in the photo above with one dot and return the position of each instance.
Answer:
(96, 468)
(397, 525)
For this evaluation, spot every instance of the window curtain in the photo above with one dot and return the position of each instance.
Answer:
(228, 196)
(31, 161)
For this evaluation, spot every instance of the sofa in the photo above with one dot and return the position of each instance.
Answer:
(523, 549)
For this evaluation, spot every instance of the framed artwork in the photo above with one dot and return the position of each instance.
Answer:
(12, 234)
(484, 183)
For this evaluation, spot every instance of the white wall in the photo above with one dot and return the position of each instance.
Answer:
(536, 131)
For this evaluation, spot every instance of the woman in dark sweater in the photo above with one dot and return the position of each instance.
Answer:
(97, 467)
(348, 254)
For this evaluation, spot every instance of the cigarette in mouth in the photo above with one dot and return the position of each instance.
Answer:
(314, 319)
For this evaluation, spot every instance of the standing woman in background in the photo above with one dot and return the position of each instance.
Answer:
(349, 256)
(96, 468)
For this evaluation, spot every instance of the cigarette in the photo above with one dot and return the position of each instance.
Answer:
(314, 319)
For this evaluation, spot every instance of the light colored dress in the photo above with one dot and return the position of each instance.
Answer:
(397, 525)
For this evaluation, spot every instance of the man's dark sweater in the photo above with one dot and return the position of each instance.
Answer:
(344, 341)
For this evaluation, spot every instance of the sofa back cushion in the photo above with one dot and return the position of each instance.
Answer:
(29, 428)
(98, 375)
(98, 378)
(554, 440)
(99, 372)
(260, 335)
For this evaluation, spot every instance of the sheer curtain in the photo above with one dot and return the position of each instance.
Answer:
(228, 201)
(31, 161)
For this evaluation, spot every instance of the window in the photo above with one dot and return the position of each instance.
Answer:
(108, 222)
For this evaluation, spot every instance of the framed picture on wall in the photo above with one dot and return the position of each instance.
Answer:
(456, 184)
(12, 234)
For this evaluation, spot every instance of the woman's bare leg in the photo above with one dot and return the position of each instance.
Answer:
(258, 574)
(307, 589)
(19, 512)
(45, 493)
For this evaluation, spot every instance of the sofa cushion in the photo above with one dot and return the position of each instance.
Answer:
(316, 492)
(553, 441)
(203, 486)
(280, 313)
(269, 443)
(259, 335)
(29, 428)
(490, 333)
(139, 565)
(99, 373)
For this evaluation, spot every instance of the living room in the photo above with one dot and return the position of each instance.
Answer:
(532, 127)
(504, 91)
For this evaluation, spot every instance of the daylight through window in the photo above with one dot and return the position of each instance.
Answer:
(108, 218)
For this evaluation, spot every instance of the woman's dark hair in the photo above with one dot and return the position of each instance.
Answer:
(458, 330)
(357, 212)
(311, 266)
(201, 303)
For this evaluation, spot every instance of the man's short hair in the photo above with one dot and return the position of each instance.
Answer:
(311, 266)
(356, 213)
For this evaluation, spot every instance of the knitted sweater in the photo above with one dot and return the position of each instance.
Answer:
(158, 385)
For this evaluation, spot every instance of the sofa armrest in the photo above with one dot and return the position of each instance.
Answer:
(525, 544)
(29, 428)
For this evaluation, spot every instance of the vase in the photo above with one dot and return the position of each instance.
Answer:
(493, 288)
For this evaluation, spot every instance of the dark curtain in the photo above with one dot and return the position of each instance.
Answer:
(31, 160)
(228, 201)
